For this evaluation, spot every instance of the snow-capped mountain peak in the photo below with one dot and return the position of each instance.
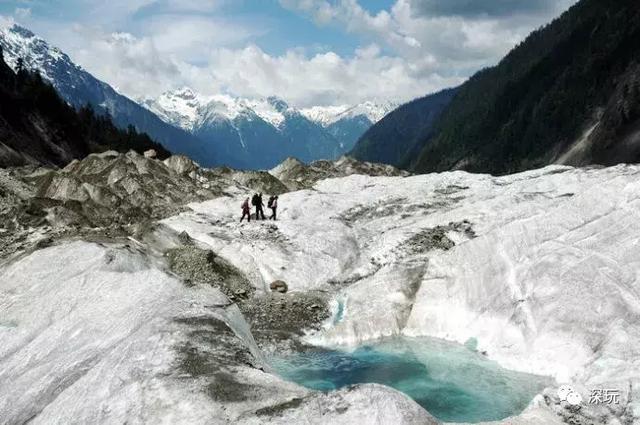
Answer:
(269, 127)
(186, 93)
(79, 88)
(186, 108)
(372, 110)
(324, 115)
(273, 110)
(327, 115)
(180, 107)
(20, 43)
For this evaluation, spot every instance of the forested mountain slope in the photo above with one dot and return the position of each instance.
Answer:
(395, 137)
(569, 93)
(79, 88)
(38, 127)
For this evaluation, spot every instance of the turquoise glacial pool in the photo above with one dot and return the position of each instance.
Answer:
(453, 382)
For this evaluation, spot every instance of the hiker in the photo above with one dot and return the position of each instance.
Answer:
(254, 203)
(246, 210)
(259, 205)
(273, 204)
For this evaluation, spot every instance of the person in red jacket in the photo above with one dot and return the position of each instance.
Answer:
(246, 210)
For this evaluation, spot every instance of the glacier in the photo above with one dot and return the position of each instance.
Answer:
(91, 334)
(540, 269)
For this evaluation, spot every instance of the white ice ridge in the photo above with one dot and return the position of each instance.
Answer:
(88, 336)
(546, 278)
(93, 334)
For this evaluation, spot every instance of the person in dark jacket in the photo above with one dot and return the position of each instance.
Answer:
(259, 205)
(273, 204)
(246, 210)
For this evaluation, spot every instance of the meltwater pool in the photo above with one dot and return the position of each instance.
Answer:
(452, 381)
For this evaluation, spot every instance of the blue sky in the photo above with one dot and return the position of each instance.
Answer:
(310, 52)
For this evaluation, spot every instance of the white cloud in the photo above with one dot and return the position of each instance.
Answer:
(132, 65)
(411, 49)
(138, 68)
(354, 18)
(457, 36)
(193, 38)
(323, 78)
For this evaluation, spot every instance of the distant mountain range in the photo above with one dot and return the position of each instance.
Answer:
(570, 93)
(259, 133)
(215, 130)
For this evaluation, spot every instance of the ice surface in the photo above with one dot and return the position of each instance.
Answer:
(95, 334)
(545, 278)
(88, 336)
(541, 268)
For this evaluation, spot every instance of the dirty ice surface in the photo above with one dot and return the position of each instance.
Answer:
(99, 334)
(541, 268)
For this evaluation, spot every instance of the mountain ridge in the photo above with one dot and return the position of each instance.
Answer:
(532, 108)
(261, 132)
(404, 126)
(213, 130)
(569, 93)
(79, 88)
(37, 127)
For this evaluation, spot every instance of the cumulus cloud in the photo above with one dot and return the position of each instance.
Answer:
(445, 38)
(137, 67)
(193, 38)
(354, 18)
(410, 49)
(134, 66)
(324, 78)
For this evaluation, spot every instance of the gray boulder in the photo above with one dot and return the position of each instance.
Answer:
(279, 286)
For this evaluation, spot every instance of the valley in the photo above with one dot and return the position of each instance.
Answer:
(450, 212)
(363, 258)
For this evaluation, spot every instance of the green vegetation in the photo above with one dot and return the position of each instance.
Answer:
(539, 99)
(580, 70)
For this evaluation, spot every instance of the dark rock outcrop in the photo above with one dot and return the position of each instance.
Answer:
(278, 286)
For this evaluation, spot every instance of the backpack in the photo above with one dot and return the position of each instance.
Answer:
(254, 200)
(270, 203)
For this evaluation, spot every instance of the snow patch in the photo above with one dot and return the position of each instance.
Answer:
(327, 115)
